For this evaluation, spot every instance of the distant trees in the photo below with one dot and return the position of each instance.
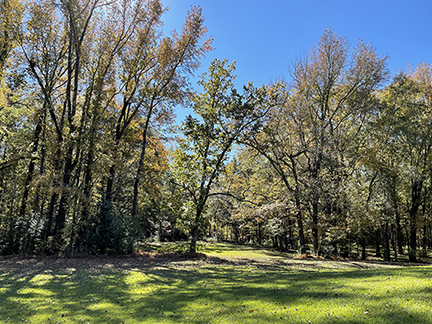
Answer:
(347, 162)
(312, 138)
(405, 122)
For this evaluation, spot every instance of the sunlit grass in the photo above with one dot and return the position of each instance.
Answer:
(233, 285)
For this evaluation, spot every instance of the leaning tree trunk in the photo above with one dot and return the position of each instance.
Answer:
(30, 171)
(140, 165)
(32, 164)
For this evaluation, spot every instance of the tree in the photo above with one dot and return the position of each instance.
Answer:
(167, 85)
(406, 118)
(97, 80)
(280, 144)
(222, 116)
(310, 140)
(11, 14)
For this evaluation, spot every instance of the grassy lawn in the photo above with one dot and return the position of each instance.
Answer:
(232, 285)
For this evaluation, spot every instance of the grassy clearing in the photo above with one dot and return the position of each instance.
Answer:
(233, 285)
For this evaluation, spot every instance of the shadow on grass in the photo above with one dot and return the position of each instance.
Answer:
(134, 290)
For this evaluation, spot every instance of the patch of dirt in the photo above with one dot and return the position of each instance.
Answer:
(172, 255)
(319, 257)
(182, 260)
(370, 262)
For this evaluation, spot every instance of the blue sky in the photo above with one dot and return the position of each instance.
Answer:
(265, 37)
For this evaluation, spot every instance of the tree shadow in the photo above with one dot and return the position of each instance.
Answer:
(137, 290)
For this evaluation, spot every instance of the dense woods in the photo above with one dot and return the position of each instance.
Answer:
(332, 160)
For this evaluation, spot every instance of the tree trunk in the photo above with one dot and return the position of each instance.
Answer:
(399, 234)
(194, 239)
(412, 249)
(416, 190)
(363, 248)
(377, 243)
(31, 167)
(394, 240)
(429, 236)
(259, 234)
(302, 241)
(386, 242)
(54, 195)
(88, 178)
(425, 241)
(274, 241)
(138, 178)
(289, 237)
(315, 237)
(61, 214)
(36, 137)
(141, 160)
(195, 228)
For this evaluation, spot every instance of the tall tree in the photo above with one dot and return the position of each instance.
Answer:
(222, 116)
(308, 138)
(280, 144)
(95, 76)
(407, 120)
(168, 84)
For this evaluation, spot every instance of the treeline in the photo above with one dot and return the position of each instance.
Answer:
(88, 89)
(333, 161)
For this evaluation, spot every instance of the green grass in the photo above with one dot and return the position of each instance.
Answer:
(234, 285)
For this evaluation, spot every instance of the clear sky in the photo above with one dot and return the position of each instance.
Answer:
(266, 36)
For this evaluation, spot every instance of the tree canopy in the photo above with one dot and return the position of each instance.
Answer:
(333, 159)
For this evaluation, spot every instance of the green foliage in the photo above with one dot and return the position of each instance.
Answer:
(85, 102)
(108, 232)
(11, 14)
(326, 162)
(223, 117)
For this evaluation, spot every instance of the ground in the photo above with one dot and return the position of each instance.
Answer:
(222, 284)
